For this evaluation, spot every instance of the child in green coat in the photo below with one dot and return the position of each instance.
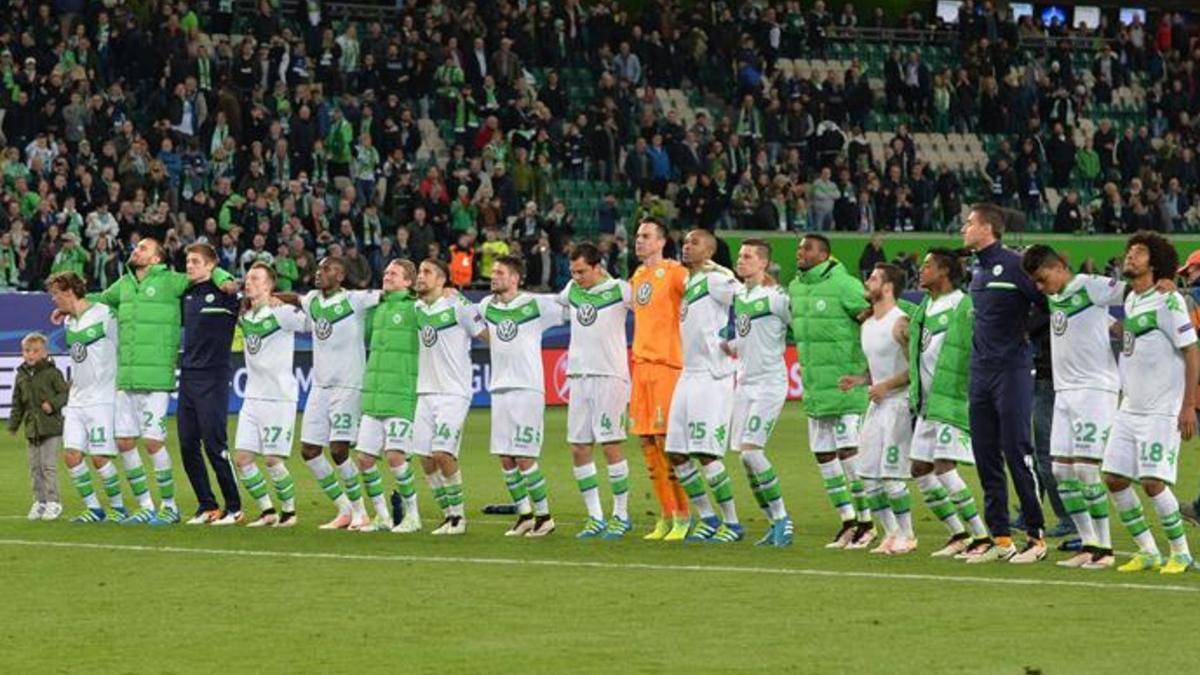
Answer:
(39, 394)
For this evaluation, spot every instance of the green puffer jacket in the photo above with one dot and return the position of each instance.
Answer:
(34, 384)
(952, 375)
(390, 384)
(148, 321)
(826, 302)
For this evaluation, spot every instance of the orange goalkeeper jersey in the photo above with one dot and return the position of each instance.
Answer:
(657, 296)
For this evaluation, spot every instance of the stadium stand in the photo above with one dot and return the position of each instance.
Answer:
(496, 129)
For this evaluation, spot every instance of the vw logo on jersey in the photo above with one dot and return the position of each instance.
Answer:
(1127, 340)
(643, 293)
(151, 292)
(997, 270)
(506, 330)
(324, 329)
(586, 314)
(209, 298)
(742, 323)
(429, 336)
(253, 343)
(820, 305)
(397, 319)
(79, 352)
(1058, 322)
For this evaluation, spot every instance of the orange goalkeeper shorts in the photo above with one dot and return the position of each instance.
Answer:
(650, 405)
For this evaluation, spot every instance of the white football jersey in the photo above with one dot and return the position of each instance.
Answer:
(761, 318)
(703, 316)
(516, 338)
(446, 328)
(1157, 329)
(338, 327)
(270, 341)
(92, 343)
(1080, 348)
(598, 315)
(885, 356)
(933, 334)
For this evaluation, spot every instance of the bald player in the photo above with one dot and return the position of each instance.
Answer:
(698, 429)
(657, 359)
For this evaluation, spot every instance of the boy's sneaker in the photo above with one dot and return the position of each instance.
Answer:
(51, 511)
(287, 519)
(35, 511)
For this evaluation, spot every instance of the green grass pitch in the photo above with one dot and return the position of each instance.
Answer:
(190, 599)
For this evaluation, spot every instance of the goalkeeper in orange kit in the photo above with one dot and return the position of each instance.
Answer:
(658, 287)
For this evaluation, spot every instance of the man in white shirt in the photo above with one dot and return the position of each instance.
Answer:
(516, 320)
(599, 386)
(447, 325)
(698, 425)
(1086, 387)
(268, 412)
(89, 419)
(337, 320)
(1160, 365)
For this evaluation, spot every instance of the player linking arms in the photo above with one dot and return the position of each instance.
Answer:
(887, 427)
(268, 414)
(698, 428)
(761, 316)
(1086, 386)
(1159, 368)
(90, 415)
(389, 398)
(516, 321)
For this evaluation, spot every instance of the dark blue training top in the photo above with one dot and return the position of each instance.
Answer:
(209, 316)
(1002, 294)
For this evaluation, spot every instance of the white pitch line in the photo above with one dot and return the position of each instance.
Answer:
(731, 569)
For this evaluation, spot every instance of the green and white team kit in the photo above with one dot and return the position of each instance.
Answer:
(337, 323)
(89, 419)
(268, 414)
(517, 380)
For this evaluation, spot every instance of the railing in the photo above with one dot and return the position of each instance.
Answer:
(346, 11)
(950, 37)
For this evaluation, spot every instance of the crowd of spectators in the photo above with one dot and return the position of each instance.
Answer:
(284, 137)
